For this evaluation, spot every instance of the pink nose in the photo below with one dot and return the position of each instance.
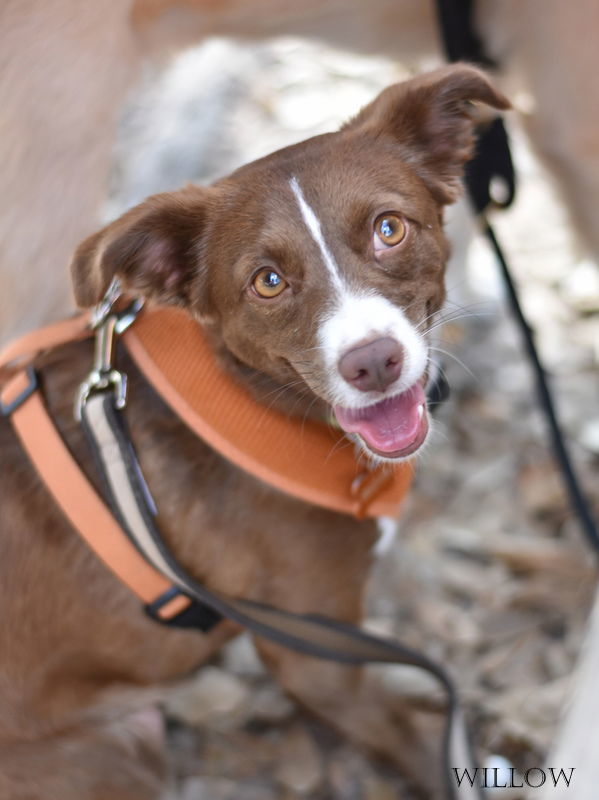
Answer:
(372, 366)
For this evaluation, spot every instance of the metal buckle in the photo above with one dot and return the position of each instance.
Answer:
(108, 324)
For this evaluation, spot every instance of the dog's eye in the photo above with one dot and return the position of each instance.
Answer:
(268, 283)
(389, 230)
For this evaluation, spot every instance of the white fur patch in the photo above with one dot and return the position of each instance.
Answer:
(313, 225)
(388, 531)
(356, 318)
(362, 317)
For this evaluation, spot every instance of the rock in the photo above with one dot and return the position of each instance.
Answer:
(208, 789)
(223, 789)
(501, 778)
(239, 656)
(588, 435)
(556, 662)
(269, 704)
(541, 488)
(347, 774)
(580, 287)
(377, 788)
(215, 697)
(587, 333)
(414, 684)
(533, 554)
(300, 765)
(513, 663)
(449, 623)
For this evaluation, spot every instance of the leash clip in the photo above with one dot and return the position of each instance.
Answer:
(108, 324)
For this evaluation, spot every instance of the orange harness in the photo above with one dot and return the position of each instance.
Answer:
(301, 458)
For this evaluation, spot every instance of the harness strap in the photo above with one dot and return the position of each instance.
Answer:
(21, 351)
(76, 496)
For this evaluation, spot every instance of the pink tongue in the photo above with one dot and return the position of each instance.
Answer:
(388, 426)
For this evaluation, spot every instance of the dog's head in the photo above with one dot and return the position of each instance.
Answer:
(321, 265)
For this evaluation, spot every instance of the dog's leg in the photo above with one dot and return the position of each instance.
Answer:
(546, 50)
(70, 66)
(357, 702)
(122, 760)
(358, 705)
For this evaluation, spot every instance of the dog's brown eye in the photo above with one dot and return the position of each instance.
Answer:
(268, 283)
(389, 230)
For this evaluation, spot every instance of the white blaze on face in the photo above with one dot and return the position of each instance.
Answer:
(358, 316)
(313, 225)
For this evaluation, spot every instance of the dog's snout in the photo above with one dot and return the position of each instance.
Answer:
(372, 366)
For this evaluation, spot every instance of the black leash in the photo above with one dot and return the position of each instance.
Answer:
(578, 501)
(310, 634)
(492, 164)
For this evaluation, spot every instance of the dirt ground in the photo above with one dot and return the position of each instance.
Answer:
(490, 574)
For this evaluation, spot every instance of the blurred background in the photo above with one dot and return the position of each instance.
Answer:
(490, 574)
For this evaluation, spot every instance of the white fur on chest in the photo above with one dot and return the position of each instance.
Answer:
(387, 532)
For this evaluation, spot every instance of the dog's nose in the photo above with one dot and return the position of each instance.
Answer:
(372, 366)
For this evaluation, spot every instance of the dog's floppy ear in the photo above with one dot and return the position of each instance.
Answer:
(152, 249)
(432, 119)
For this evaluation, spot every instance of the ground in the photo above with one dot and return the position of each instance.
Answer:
(490, 574)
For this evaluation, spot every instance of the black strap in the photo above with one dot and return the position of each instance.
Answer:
(460, 40)
(197, 615)
(490, 175)
(578, 500)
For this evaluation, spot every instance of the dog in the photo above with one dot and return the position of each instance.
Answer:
(70, 66)
(317, 271)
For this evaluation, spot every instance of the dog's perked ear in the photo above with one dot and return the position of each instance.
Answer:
(432, 119)
(153, 249)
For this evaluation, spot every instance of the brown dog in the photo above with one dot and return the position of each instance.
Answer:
(316, 271)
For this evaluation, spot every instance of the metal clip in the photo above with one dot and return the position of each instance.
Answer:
(106, 304)
(108, 324)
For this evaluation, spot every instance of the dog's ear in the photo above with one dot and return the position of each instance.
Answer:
(432, 119)
(152, 249)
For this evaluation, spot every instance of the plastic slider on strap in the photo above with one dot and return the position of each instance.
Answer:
(366, 486)
(177, 610)
(17, 390)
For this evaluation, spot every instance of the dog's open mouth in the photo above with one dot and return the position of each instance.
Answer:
(394, 428)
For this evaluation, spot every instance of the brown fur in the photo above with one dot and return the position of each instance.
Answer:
(79, 659)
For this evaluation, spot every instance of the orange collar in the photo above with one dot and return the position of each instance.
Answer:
(301, 458)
